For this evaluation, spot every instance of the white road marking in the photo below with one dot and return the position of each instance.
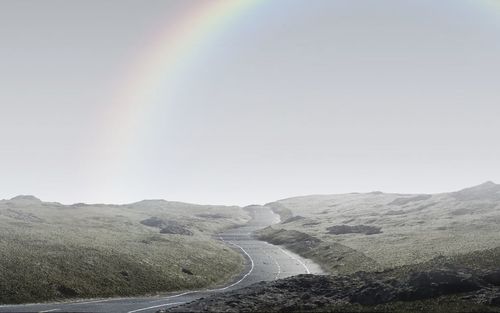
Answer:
(65, 302)
(217, 289)
(189, 292)
(296, 259)
(279, 268)
(95, 301)
(155, 306)
(244, 276)
(184, 293)
(176, 296)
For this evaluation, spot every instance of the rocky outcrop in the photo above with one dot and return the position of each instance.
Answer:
(357, 229)
(333, 257)
(431, 284)
(296, 241)
(167, 226)
(153, 222)
(186, 271)
(492, 277)
(317, 293)
(174, 228)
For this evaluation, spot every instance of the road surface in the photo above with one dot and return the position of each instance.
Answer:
(264, 262)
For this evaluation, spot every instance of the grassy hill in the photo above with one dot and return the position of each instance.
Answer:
(54, 251)
(375, 231)
(385, 253)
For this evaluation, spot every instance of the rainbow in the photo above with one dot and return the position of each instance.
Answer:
(152, 79)
(153, 76)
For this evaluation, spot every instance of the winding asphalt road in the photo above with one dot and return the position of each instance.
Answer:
(264, 262)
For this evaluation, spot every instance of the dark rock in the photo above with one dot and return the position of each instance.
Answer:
(167, 226)
(186, 271)
(495, 300)
(153, 222)
(311, 224)
(66, 291)
(313, 293)
(489, 296)
(292, 239)
(175, 229)
(357, 229)
(492, 277)
(430, 284)
(374, 293)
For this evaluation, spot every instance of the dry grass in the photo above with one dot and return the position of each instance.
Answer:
(51, 251)
(414, 228)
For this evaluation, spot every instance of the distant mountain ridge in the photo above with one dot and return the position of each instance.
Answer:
(486, 189)
(26, 198)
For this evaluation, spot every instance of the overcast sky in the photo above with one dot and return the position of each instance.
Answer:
(293, 98)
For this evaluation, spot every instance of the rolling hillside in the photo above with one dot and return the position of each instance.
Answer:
(373, 231)
(54, 251)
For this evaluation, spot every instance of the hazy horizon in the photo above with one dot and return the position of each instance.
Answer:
(247, 204)
(281, 99)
